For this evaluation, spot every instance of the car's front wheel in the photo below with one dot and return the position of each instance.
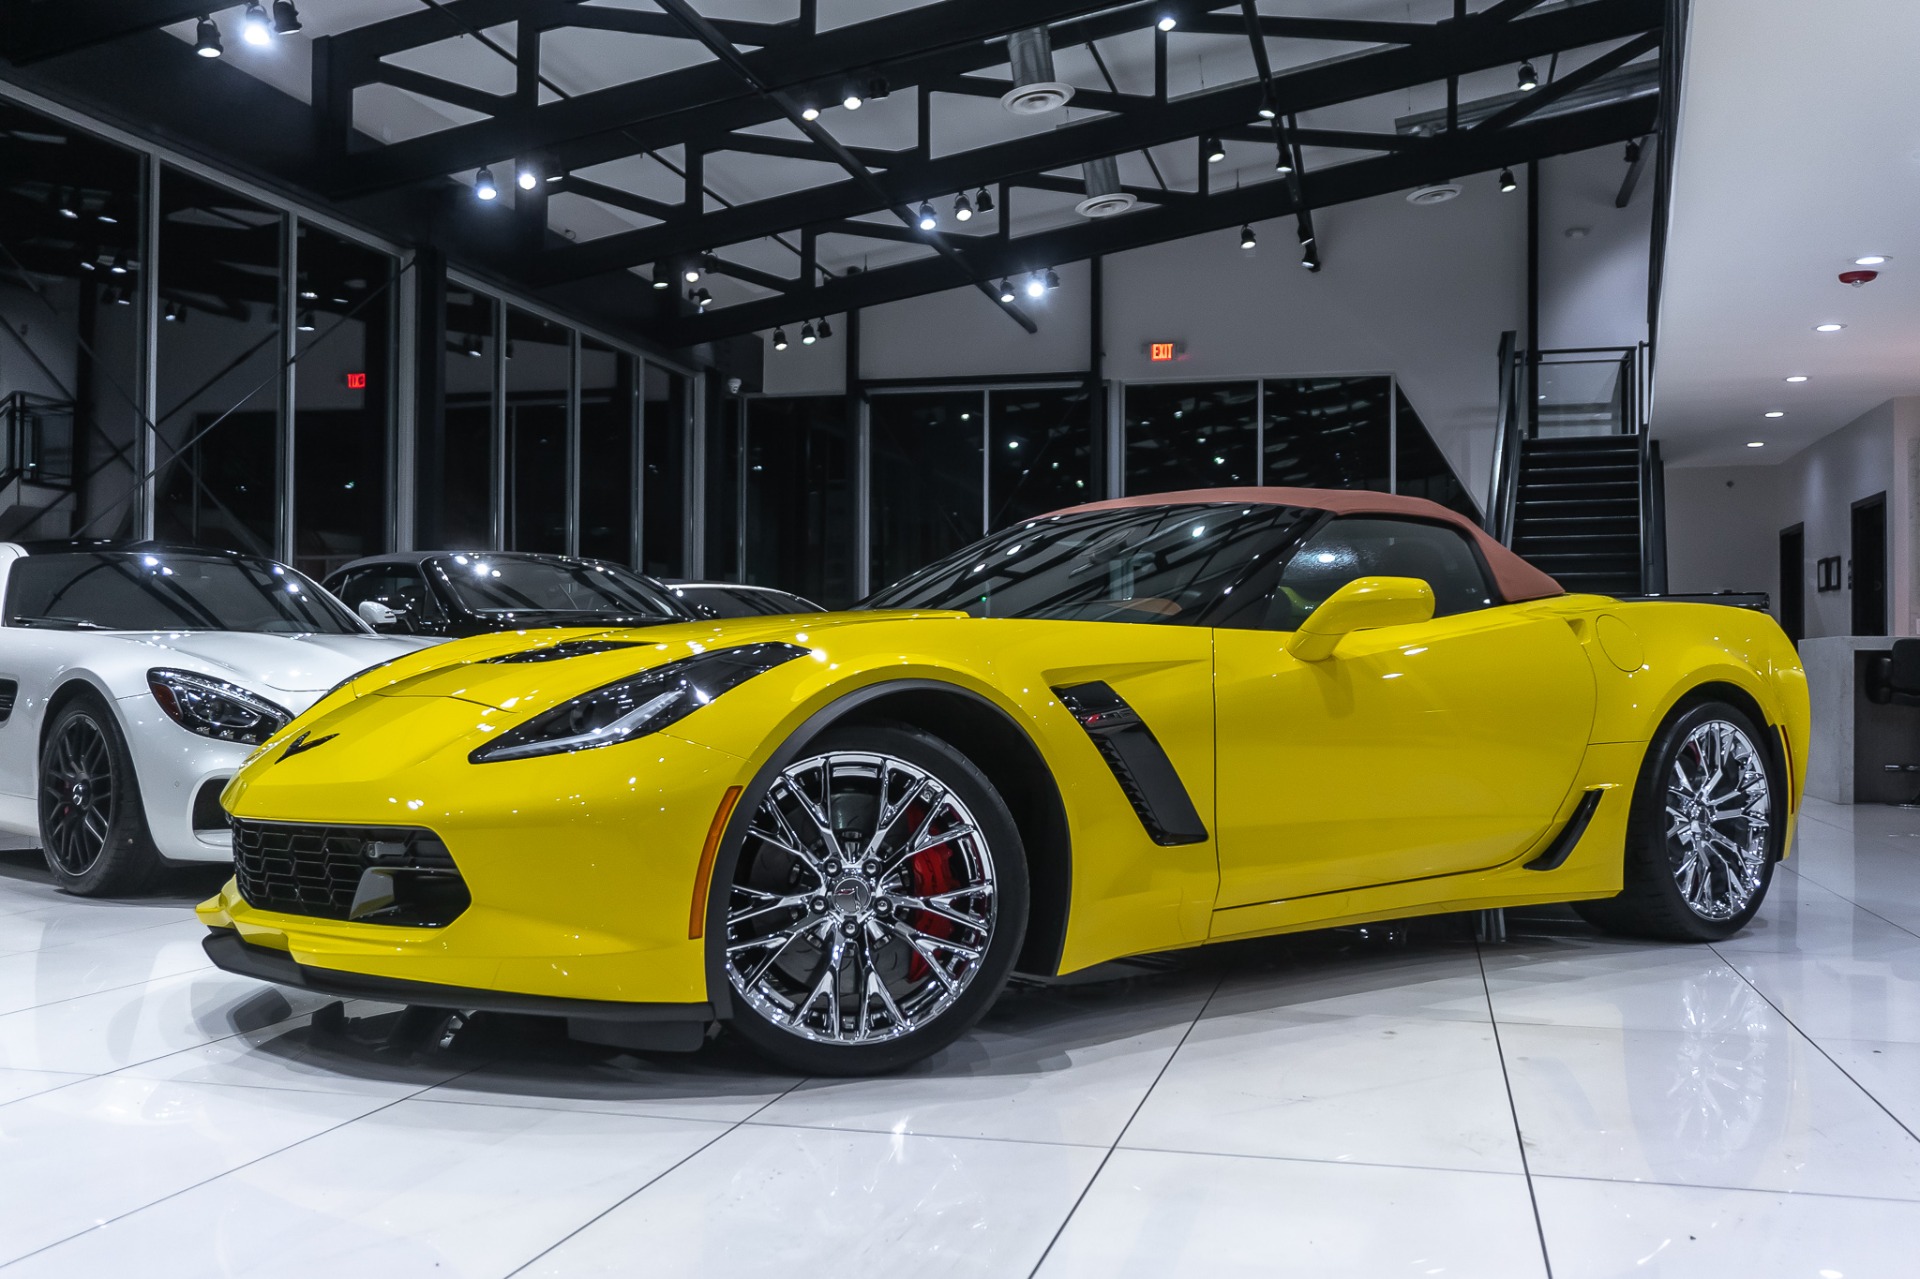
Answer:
(1701, 834)
(877, 905)
(93, 830)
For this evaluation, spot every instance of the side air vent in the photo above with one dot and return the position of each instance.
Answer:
(9, 689)
(1139, 763)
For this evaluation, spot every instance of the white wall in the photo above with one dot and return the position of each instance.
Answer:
(1723, 523)
(1593, 287)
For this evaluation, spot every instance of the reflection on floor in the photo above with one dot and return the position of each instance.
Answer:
(1367, 1102)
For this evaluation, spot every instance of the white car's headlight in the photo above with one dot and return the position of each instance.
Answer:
(638, 705)
(214, 708)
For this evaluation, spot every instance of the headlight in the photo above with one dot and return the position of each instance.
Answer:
(214, 708)
(642, 704)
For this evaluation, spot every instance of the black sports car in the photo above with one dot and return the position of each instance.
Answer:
(460, 593)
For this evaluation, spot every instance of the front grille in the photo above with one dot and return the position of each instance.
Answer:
(368, 874)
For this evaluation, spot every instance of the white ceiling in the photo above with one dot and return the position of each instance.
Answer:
(583, 61)
(1799, 151)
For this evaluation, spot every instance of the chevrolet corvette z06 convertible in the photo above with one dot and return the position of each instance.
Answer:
(134, 679)
(1127, 727)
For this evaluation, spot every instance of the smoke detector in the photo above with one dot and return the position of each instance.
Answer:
(1035, 90)
(1858, 278)
(1438, 193)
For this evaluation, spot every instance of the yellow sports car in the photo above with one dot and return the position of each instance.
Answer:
(1121, 728)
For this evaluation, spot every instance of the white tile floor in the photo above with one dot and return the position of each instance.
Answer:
(1388, 1101)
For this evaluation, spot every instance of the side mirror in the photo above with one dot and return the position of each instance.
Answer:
(1364, 604)
(381, 617)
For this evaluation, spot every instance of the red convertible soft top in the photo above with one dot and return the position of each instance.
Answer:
(1517, 579)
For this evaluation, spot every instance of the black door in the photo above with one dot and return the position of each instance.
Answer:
(1868, 571)
(1793, 582)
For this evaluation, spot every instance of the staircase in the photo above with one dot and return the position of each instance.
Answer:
(1577, 513)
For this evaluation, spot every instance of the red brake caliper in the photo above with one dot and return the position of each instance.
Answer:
(931, 873)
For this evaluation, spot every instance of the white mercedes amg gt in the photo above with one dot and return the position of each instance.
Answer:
(135, 678)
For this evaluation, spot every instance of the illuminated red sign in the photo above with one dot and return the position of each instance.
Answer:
(1159, 351)
(356, 381)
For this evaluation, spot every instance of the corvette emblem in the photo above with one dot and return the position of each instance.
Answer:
(304, 742)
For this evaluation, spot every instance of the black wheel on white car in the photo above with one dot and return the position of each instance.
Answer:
(877, 905)
(1702, 834)
(93, 830)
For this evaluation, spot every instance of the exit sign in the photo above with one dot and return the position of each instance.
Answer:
(356, 381)
(1162, 352)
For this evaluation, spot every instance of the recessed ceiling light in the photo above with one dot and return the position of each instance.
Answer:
(1776, 413)
(1798, 377)
(1828, 328)
(1872, 259)
(1756, 444)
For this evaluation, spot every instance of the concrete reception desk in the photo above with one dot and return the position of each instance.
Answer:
(1855, 741)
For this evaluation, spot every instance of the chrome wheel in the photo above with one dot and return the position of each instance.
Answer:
(1719, 808)
(864, 901)
(77, 794)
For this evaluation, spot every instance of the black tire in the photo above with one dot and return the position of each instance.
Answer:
(1652, 902)
(799, 971)
(93, 829)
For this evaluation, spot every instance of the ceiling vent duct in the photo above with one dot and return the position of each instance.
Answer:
(1035, 91)
(1104, 196)
(1437, 193)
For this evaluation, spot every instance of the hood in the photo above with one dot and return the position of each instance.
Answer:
(283, 663)
(506, 671)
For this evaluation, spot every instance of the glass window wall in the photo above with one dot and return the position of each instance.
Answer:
(343, 400)
(538, 375)
(220, 361)
(800, 505)
(927, 478)
(724, 443)
(609, 474)
(1040, 451)
(457, 498)
(664, 480)
(1192, 436)
(1331, 432)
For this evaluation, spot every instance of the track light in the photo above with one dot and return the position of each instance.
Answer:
(253, 25)
(807, 334)
(206, 39)
(528, 176)
(810, 113)
(702, 298)
(692, 273)
(962, 210)
(305, 323)
(484, 187)
(853, 101)
(661, 276)
(1633, 152)
(983, 201)
(1285, 163)
(1167, 23)
(65, 202)
(1247, 238)
(779, 339)
(1053, 281)
(928, 218)
(1267, 109)
(1507, 182)
(1006, 291)
(826, 330)
(119, 266)
(1037, 286)
(1529, 79)
(1214, 152)
(286, 18)
(472, 345)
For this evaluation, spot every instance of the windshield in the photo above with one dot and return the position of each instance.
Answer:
(169, 591)
(1156, 564)
(526, 584)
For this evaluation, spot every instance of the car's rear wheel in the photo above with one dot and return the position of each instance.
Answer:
(93, 830)
(1701, 835)
(877, 904)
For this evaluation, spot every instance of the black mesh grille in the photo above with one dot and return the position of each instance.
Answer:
(372, 874)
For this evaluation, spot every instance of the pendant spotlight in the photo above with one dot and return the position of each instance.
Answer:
(1267, 110)
(1529, 78)
(1006, 291)
(692, 273)
(702, 298)
(305, 324)
(662, 276)
(808, 335)
(206, 39)
(527, 177)
(929, 220)
(253, 25)
(1633, 152)
(1507, 182)
(1167, 23)
(286, 18)
(962, 210)
(119, 266)
(484, 187)
(853, 101)
(1053, 281)
(1037, 286)
(1247, 238)
(826, 330)
(1214, 151)
(1285, 162)
(983, 201)
(65, 203)
(809, 113)
(779, 339)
